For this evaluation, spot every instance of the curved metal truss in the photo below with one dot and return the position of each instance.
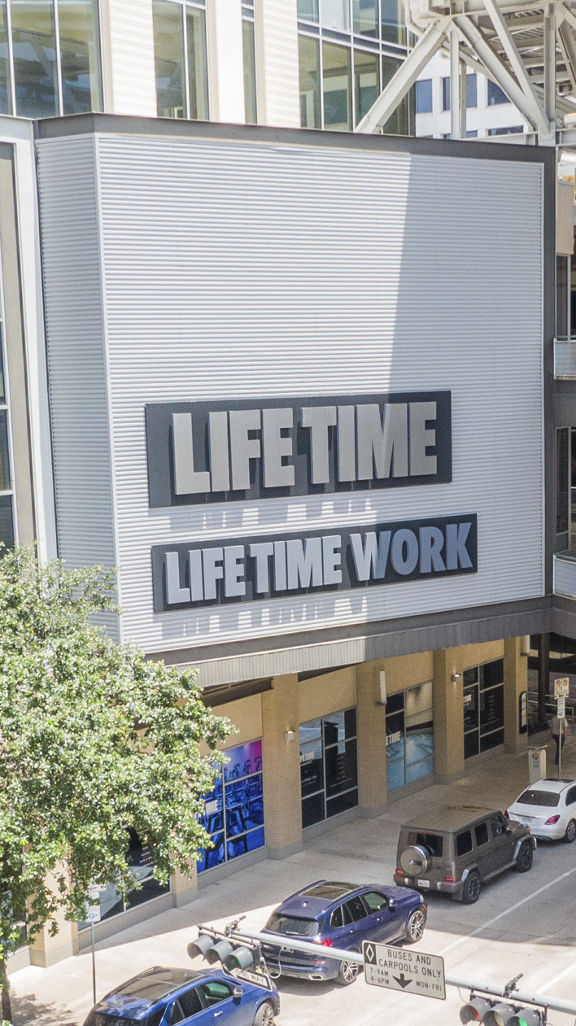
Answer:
(527, 47)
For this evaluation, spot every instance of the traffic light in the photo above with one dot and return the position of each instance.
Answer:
(242, 958)
(200, 946)
(219, 950)
(495, 1012)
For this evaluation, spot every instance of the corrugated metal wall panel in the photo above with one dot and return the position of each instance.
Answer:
(76, 354)
(240, 269)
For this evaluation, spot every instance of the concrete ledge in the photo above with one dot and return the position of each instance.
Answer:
(283, 853)
(210, 876)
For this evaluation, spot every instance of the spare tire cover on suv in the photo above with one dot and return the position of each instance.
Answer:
(414, 860)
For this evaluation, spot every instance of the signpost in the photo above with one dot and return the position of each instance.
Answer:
(94, 915)
(561, 687)
(412, 972)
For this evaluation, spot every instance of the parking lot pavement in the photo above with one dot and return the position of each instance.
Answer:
(523, 923)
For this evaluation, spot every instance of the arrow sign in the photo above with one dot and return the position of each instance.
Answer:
(400, 968)
(403, 981)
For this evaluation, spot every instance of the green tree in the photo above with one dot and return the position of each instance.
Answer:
(94, 739)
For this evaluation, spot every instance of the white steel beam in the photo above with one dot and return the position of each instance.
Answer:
(457, 89)
(511, 50)
(405, 77)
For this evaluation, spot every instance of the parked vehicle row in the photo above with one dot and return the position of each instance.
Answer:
(454, 849)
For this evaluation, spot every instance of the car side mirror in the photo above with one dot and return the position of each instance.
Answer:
(392, 904)
(237, 993)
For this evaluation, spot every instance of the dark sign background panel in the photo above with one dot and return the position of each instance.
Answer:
(160, 447)
(348, 565)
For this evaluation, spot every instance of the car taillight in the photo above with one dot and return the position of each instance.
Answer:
(551, 820)
(507, 814)
(449, 879)
(400, 872)
(326, 941)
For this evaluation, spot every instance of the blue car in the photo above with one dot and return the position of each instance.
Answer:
(340, 915)
(165, 997)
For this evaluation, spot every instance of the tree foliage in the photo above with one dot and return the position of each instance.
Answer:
(94, 738)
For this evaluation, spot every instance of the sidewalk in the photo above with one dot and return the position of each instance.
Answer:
(363, 851)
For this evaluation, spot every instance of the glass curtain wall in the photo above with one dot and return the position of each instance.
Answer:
(234, 810)
(483, 707)
(7, 519)
(566, 490)
(409, 736)
(348, 51)
(328, 766)
(180, 59)
(49, 57)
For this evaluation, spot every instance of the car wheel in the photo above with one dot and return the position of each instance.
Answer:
(415, 927)
(570, 834)
(525, 857)
(347, 973)
(264, 1014)
(471, 889)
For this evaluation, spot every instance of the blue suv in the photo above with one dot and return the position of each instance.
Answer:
(165, 997)
(340, 915)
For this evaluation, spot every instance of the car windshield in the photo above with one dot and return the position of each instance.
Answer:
(295, 925)
(547, 798)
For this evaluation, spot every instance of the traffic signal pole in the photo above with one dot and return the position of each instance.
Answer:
(509, 991)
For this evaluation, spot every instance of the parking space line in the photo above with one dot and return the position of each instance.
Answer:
(506, 912)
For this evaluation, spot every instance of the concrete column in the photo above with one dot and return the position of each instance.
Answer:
(448, 714)
(184, 888)
(225, 61)
(277, 78)
(371, 726)
(515, 682)
(281, 761)
(46, 950)
(129, 75)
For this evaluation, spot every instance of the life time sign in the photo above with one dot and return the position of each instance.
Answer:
(243, 450)
(238, 450)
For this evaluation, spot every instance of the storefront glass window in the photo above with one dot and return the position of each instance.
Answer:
(483, 707)
(141, 863)
(409, 736)
(328, 766)
(79, 56)
(234, 810)
(5, 482)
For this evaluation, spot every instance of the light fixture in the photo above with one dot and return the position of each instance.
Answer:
(289, 735)
(382, 684)
(455, 677)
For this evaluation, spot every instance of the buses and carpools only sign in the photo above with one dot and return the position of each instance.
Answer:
(238, 450)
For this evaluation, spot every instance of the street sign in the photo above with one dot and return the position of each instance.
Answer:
(560, 707)
(93, 914)
(412, 972)
(561, 687)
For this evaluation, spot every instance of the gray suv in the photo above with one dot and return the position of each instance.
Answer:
(457, 848)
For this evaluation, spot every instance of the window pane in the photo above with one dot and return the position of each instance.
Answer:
(489, 741)
(244, 805)
(470, 708)
(366, 82)
(496, 94)
(337, 73)
(243, 845)
(244, 760)
(2, 382)
(392, 21)
(400, 121)
(5, 93)
(424, 96)
(562, 488)
(341, 770)
(341, 803)
(471, 91)
(197, 65)
(491, 710)
(249, 72)
(335, 14)
(311, 768)
(308, 10)
(419, 770)
(445, 94)
(492, 673)
(309, 51)
(419, 701)
(34, 47)
(79, 56)
(6, 520)
(365, 17)
(169, 59)
(395, 775)
(5, 482)
(471, 744)
(313, 810)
